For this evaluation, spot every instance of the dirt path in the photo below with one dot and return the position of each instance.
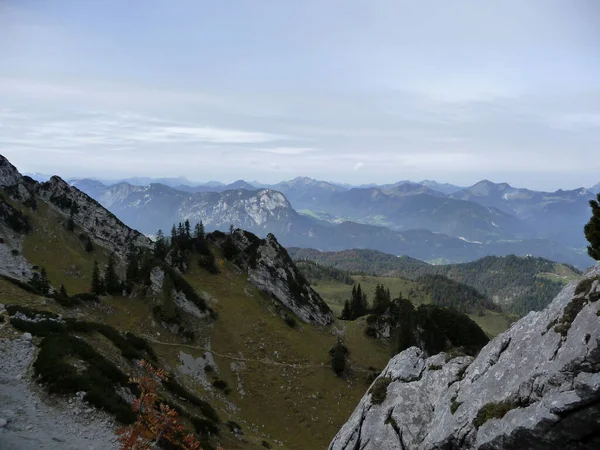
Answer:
(260, 361)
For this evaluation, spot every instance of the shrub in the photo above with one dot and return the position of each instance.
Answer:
(435, 367)
(494, 410)
(221, 385)
(234, 427)
(569, 314)
(97, 379)
(338, 357)
(265, 444)
(371, 332)
(207, 410)
(290, 321)
(379, 390)
(585, 285)
(204, 427)
(371, 319)
(454, 405)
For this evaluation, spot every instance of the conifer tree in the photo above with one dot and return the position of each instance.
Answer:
(97, 283)
(70, 222)
(592, 230)
(63, 291)
(160, 246)
(89, 246)
(346, 312)
(199, 231)
(187, 229)
(132, 274)
(382, 299)
(44, 283)
(358, 302)
(112, 284)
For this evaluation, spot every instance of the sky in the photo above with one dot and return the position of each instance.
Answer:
(351, 91)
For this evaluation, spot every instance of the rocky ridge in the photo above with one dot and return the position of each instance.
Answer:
(270, 268)
(536, 386)
(102, 226)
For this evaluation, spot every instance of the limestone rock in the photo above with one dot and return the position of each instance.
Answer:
(535, 386)
(271, 269)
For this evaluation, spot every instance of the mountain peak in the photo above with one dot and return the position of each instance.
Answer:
(9, 175)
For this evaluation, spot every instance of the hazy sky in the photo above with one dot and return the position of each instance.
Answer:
(352, 91)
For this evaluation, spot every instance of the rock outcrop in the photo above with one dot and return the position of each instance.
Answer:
(101, 225)
(270, 268)
(536, 386)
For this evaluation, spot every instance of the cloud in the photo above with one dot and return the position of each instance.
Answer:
(286, 150)
(113, 130)
(358, 166)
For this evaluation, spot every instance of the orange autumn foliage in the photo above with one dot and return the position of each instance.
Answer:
(155, 421)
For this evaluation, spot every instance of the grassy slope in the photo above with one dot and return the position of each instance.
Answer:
(301, 407)
(335, 293)
(60, 251)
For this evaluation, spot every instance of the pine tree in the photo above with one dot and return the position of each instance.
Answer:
(70, 222)
(63, 291)
(592, 230)
(133, 266)
(199, 231)
(44, 283)
(97, 283)
(89, 246)
(346, 313)
(358, 302)
(231, 229)
(173, 235)
(382, 300)
(160, 246)
(187, 229)
(112, 283)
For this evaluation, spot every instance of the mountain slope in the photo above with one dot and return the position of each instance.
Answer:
(228, 338)
(534, 386)
(553, 215)
(518, 284)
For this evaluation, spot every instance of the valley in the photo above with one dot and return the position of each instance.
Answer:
(254, 338)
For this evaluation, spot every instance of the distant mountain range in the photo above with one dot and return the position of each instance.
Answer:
(404, 219)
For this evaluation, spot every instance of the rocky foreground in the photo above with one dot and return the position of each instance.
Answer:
(30, 419)
(536, 386)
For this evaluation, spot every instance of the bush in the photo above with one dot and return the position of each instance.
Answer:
(207, 410)
(204, 427)
(221, 385)
(97, 379)
(338, 358)
(290, 321)
(379, 390)
(371, 332)
(494, 410)
(234, 427)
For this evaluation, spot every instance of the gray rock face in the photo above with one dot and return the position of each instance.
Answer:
(536, 386)
(9, 175)
(103, 226)
(271, 269)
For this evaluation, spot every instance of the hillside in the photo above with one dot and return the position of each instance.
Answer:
(335, 286)
(517, 284)
(229, 316)
(534, 386)
(259, 351)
